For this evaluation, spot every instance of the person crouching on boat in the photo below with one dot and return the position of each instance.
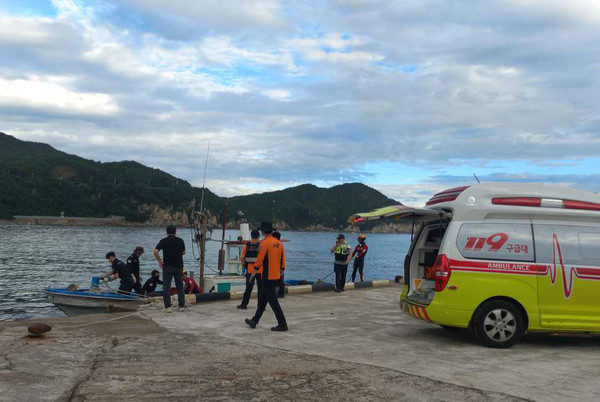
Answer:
(149, 287)
(248, 258)
(190, 285)
(121, 271)
(133, 261)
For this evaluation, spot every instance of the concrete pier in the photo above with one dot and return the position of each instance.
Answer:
(356, 345)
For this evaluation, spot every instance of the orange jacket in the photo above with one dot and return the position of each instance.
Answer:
(271, 258)
(250, 266)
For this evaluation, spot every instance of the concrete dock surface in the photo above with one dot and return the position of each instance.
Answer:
(356, 345)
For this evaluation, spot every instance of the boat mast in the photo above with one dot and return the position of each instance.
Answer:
(201, 222)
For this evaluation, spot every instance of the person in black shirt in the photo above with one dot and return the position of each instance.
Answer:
(173, 249)
(121, 271)
(150, 285)
(134, 263)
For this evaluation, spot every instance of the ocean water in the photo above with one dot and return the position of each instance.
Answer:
(35, 257)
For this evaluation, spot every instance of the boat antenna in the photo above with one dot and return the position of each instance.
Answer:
(204, 181)
(476, 178)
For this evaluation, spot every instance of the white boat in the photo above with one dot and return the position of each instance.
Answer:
(84, 301)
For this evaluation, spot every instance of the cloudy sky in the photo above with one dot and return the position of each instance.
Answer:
(408, 96)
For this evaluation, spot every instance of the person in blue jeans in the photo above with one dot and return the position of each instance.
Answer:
(173, 250)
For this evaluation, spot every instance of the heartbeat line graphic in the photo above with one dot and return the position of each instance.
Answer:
(567, 273)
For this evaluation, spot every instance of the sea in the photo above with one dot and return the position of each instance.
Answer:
(34, 257)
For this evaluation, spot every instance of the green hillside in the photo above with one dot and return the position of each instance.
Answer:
(307, 205)
(37, 179)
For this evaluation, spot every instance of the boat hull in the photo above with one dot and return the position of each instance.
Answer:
(76, 303)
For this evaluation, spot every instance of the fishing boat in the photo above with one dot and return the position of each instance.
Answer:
(86, 301)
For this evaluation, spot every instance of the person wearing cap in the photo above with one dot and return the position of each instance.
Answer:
(248, 258)
(359, 253)
(341, 251)
(271, 257)
(133, 261)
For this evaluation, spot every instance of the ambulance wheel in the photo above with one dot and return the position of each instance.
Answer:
(498, 324)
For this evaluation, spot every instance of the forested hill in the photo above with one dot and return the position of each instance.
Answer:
(36, 179)
(310, 206)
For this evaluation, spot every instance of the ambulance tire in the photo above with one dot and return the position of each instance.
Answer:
(498, 324)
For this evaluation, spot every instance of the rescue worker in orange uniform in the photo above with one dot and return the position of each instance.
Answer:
(281, 287)
(271, 258)
(248, 258)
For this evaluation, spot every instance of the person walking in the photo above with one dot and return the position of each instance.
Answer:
(359, 253)
(248, 258)
(281, 285)
(341, 251)
(173, 249)
(133, 261)
(271, 256)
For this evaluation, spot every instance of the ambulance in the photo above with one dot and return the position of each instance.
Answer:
(503, 259)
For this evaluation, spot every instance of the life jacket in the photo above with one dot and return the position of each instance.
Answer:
(341, 252)
(251, 252)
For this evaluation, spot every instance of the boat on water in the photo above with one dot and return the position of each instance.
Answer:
(86, 301)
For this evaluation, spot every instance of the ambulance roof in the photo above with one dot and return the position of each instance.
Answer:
(517, 200)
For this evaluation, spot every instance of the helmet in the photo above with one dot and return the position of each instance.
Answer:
(362, 237)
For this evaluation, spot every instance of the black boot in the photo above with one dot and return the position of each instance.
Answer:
(242, 307)
(251, 323)
(280, 328)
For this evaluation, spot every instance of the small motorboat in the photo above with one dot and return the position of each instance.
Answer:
(86, 301)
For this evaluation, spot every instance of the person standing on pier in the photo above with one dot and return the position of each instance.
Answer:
(173, 249)
(133, 261)
(271, 257)
(360, 251)
(248, 258)
(341, 250)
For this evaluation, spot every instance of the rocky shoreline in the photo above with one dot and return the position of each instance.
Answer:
(382, 228)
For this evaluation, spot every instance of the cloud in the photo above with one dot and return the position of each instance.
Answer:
(313, 91)
(50, 94)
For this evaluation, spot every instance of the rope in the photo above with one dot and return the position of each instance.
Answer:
(98, 322)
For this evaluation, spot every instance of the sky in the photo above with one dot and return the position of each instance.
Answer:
(407, 96)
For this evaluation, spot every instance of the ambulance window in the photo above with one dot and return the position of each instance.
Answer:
(579, 245)
(496, 241)
(589, 246)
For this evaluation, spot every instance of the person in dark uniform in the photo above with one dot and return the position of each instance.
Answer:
(121, 271)
(270, 258)
(281, 285)
(249, 254)
(173, 249)
(149, 287)
(360, 251)
(341, 250)
(134, 262)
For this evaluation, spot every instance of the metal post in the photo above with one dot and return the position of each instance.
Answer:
(222, 252)
(202, 218)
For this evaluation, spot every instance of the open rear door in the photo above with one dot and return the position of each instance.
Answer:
(399, 212)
